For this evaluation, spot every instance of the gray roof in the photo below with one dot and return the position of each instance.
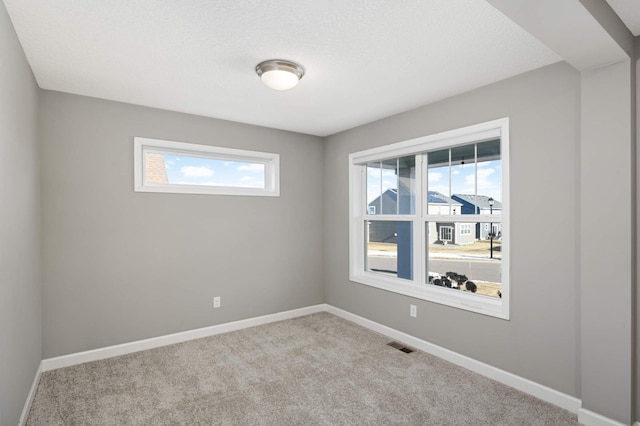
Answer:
(481, 201)
(437, 197)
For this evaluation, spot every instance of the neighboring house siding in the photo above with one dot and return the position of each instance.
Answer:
(480, 205)
(386, 203)
(383, 232)
(155, 170)
(386, 232)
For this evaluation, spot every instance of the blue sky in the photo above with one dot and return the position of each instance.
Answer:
(186, 170)
(463, 180)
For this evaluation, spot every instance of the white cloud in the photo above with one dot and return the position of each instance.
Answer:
(443, 189)
(253, 168)
(483, 178)
(196, 171)
(487, 184)
(246, 179)
(434, 177)
(470, 179)
(455, 172)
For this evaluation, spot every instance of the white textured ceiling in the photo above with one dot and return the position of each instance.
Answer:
(364, 59)
(629, 12)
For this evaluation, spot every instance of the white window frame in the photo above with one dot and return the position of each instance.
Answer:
(446, 229)
(418, 287)
(270, 161)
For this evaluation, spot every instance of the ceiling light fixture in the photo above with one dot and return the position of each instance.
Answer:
(279, 74)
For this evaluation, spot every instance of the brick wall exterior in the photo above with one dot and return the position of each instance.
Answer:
(155, 170)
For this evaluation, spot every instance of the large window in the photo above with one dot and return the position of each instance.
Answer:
(429, 218)
(166, 166)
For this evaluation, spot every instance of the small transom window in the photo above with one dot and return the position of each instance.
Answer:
(177, 167)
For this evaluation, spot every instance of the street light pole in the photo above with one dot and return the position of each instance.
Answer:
(491, 201)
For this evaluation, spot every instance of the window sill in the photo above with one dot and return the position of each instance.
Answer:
(210, 190)
(485, 305)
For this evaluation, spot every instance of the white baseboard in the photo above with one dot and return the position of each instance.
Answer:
(589, 418)
(568, 402)
(30, 397)
(156, 342)
(545, 393)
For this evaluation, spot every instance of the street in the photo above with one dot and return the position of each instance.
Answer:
(482, 270)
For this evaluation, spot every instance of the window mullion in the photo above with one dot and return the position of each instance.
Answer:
(450, 174)
(398, 185)
(380, 190)
(418, 226)
(475, 177)
(424, 249)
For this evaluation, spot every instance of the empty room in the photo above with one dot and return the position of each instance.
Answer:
(319, 212)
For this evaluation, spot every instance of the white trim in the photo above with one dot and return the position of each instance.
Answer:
(30, 396)
(589, 418)
(552, 396)
(156, 342)
(545, 393)
(270, 161)
(475, 133)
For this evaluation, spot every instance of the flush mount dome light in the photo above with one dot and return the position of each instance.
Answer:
(279, 74)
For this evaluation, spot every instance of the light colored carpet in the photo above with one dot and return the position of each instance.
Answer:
(313, 370)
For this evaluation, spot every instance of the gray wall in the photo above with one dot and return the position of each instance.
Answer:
(20, 350)
(606, 343)
(637, 271)
(121, 266)
(540, 342)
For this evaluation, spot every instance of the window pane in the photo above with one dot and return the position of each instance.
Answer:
(465, 256)
(391, 186)
(463, 170)
(155, 168)
(178, 169)
(438, 183)
(374, 188)
(389, 176)
(389, 248)
(406, 185)
(463, 179)
(490, 174)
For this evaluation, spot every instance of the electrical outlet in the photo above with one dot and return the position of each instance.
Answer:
(413, 310)
(216, 302)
